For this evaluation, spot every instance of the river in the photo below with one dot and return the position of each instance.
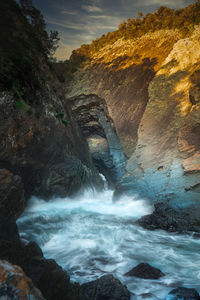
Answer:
(91, 236)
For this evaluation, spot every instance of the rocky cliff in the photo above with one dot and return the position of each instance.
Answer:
(151, 87)
(44, 146)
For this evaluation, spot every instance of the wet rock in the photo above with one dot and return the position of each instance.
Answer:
(183, 294)
(14, 284)
(12, 199)
(145, 271)
(105, 288)
(32, 249)
(54, 283)
(171, 219)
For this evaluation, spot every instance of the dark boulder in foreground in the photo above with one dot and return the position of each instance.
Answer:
(46, 274)
(105, 288)
(170, 219)
(145, 271)
(14, 284)
(183, 294)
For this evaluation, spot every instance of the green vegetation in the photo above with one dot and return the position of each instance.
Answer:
(164, 18)
(25, 49)
(20, 105)
(59, 115)
(65, 122)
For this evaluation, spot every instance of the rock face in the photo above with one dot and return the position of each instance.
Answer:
(145, 271)
(93, 118)
(183, 294)
(12, 198)
(166, 160)
(44, 147)
(105, 288)
(120, 73)
(14, 284)
(151, 87)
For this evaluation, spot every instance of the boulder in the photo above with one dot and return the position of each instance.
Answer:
(105, 288)
(145, 271)
(171, 219)
(14, 284)
(181, 293)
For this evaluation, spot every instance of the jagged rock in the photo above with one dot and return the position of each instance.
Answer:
(12, 199)
(105, 288)
(170, 219)
(145, 271)
(14, 284)
(183, 294)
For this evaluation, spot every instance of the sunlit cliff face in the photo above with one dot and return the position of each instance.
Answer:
(126, 53)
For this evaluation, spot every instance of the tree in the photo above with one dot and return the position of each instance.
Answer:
(49, 42)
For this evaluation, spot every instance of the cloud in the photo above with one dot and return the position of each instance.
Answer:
(158, 3)
(81, 21)
(68, 12)
(91, 8)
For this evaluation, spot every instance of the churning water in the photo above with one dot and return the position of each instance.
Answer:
(92, 236)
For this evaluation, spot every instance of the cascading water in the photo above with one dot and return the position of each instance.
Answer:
(92, 236)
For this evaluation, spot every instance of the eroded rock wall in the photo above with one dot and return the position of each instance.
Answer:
(98, 128)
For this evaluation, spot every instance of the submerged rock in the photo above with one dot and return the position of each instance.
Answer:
(145, 271)
(105, 288)
(14, 284)
(183, 294)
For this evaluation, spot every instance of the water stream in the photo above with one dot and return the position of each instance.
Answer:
(91, 236)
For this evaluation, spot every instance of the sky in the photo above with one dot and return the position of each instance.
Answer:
(81, 21)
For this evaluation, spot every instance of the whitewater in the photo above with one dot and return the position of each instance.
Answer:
(90, 236)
